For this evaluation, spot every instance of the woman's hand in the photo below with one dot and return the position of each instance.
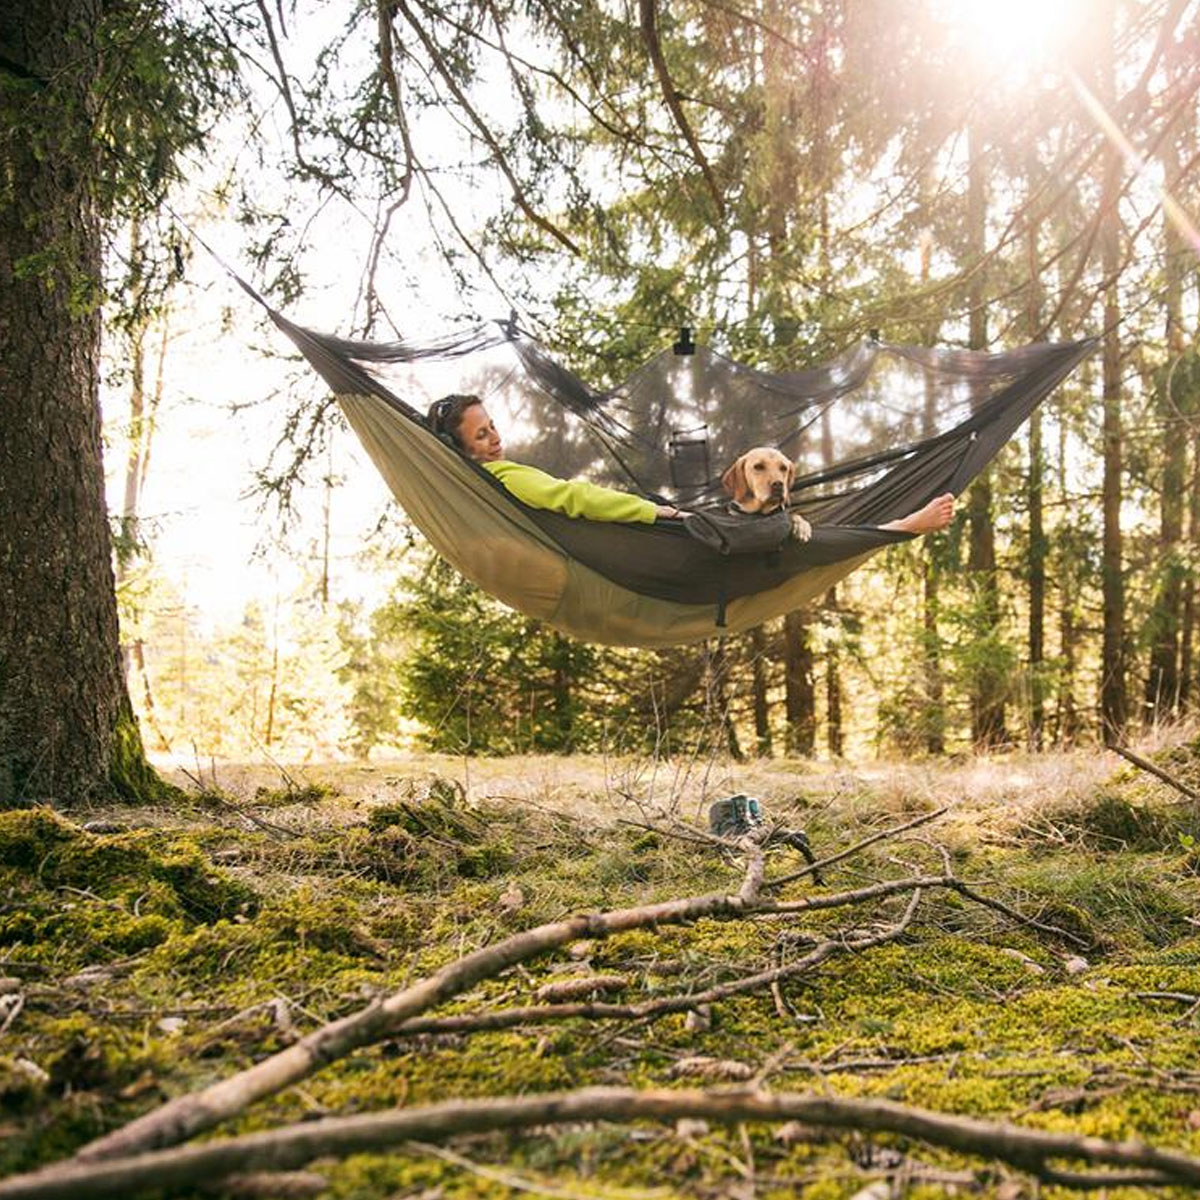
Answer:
(667, 512)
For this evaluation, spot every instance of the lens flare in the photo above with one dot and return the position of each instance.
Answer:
(1022, 33)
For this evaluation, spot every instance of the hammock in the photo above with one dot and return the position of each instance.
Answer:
(875, 434)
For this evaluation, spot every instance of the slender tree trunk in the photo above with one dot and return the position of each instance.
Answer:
(718, 698)
(1034, 494)
(762, 711)
(987, 693)
(1166, 616)
(149, 710)
(799, 688)
(833, 679)
(67, 731)
(1113, 703)
(269, 735)
(933, 724)
(1189, 678)
(833, 685)
(779, 207)
(326, 523)
(564, 707)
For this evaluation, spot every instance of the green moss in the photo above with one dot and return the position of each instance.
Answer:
(949, 1019)
(1111, 821)
(61, 855)
(482, 862)
(315, 921)
(130, 775)
(442, 813)
(1111, 901)
(294, 793)
(22, 1084)
(28, 837)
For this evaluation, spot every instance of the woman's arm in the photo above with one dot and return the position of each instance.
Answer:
(576, 497)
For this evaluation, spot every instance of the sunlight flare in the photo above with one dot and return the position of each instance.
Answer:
(1018, 32)
(1175, 211)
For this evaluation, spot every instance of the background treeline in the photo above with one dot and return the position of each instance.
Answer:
(782, 178)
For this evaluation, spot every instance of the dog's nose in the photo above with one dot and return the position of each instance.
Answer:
(777, 487)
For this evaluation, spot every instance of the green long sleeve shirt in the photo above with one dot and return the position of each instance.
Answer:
(575, 497)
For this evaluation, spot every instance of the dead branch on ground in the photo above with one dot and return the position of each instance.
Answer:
(1150, 768)
(1036, 1152)
(400, 1014)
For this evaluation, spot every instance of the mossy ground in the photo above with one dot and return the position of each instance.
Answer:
(172, 947)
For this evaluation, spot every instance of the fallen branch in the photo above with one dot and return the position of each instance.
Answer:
(507, 1018)
(1012, 914)
(187, 1115)
(1153, 769)
(183, 1117)
(814, 868)
(1030, 1150)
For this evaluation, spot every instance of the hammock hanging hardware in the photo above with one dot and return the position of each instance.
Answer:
(685, 345)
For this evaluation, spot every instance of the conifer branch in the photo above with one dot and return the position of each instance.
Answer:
(649, 15)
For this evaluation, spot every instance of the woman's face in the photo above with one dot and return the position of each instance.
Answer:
(478, 435)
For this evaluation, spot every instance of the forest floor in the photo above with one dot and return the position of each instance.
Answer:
(148, 953)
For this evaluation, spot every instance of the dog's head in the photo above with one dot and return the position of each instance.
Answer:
(760, 480)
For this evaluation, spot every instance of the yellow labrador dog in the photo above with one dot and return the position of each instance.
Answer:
(759, 482)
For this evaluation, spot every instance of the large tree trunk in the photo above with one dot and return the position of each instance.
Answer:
(66, 728)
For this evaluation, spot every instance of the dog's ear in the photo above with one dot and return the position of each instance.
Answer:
(791, 477)
(734, 481)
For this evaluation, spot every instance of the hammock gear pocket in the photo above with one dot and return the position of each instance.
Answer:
(730, 532)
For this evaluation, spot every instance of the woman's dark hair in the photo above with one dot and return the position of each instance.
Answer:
(445, 416)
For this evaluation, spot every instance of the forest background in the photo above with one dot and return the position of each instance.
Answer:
(779, 177)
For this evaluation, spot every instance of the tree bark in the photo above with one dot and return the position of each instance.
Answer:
(762, 710)
(833, 684)
(1066, 730)
(67, 731)
(799, 689)
(933, 723)
(1187, 673)
(987, 692)
(1166, 616)
(1113, 702)
(718, 698)
(1034, 494)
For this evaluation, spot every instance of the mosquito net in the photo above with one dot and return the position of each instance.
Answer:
(674, 425)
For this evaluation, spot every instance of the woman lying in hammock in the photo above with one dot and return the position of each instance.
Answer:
(466, 422)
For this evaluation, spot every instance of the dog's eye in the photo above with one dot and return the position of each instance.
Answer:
(758, 466)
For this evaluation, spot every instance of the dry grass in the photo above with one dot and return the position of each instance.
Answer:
(993, 798)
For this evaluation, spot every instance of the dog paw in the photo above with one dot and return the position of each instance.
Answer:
(801, 529)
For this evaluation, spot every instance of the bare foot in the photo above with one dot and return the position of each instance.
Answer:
(936, 515)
